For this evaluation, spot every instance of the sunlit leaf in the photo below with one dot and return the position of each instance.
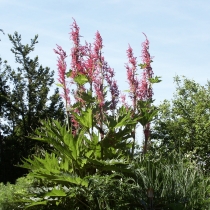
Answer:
(56, 192)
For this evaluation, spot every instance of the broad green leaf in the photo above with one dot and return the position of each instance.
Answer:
(89, 153)
(147, 116)
(142, 66)
(73, 148)
(56, 192)
(59, 85)
(72, 180)
(37, 203)
(87, 97)
(81, 79)
(111, 122)
(155, 80)
(85, 119)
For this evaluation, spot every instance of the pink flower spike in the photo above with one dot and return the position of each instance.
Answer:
(132, 59)
(98, 44)
(62, 72)
(142, 92)
(123, 100)
(131, 74)
(75, 33)
(77, 51)
(146, 58)
(148, 73)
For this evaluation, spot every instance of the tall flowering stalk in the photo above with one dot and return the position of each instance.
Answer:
(134, 84)
(61, 65)
(147, 71)
(88, 62)
(77, 68)
(98, 82)
(132, 77)
(103, 74)
(98, 78)
(140, 89)
(77, 58)
(77, 51)
(146, 86)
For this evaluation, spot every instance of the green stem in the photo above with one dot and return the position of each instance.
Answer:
(134, 130)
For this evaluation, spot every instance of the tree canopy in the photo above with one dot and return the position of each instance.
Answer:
(184, 123)
(25, 100)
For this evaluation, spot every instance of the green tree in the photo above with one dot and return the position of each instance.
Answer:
(25, 100)
(184, 123)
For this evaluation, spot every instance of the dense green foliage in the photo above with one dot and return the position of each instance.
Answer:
(24, 100)
(183, 124)
(9, 193)
(75, 175)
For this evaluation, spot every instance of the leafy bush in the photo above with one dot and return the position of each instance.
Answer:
(11, 194)
(75, 178)
(182, 124)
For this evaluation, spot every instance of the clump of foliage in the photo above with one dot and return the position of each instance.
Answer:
(11, 193)
(176, 183)
(24, 101)
(183, 123)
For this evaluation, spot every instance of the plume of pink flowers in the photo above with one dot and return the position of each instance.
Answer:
(77, 51)
(132, 75)
(123, 100)
(98, 45)
(98, 76)
(103, 73)
(148, 72)
(140, 88)
(88, 60)
(62, 72)
(145, 85)
(89, 63)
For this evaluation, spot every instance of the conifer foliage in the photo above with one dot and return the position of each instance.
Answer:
(25, 100)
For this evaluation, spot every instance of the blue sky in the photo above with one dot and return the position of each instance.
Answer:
(178, 31)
